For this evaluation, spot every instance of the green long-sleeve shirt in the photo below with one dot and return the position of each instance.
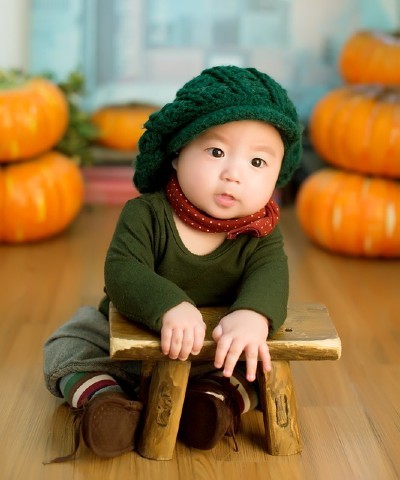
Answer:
(148, 269)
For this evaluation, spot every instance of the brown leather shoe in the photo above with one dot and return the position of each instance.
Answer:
(210, 411)
(109, 424)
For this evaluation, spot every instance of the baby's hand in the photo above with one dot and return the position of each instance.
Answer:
(182, 332)
(242, 331)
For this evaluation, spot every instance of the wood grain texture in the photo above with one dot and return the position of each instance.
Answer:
(348, 409)
(308, 333)
(163, 410)
(278, 401)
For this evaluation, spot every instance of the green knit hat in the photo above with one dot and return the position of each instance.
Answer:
(218, 95)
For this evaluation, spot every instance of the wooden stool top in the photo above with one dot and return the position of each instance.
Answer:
(307, 334)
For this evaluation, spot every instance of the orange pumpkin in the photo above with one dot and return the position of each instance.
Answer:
(371, 57)
(39, 198)
(350, 213)
(120, 127)
(358, 128)
(33, 118)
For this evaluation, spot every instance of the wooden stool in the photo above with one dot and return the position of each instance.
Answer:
(307, 334)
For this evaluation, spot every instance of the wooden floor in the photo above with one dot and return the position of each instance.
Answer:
(349, 410)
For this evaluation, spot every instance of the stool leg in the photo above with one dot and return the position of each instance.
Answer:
(145, 379)
(278, 404)
(163, 410)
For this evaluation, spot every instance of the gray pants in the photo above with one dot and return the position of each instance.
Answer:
(82, 345)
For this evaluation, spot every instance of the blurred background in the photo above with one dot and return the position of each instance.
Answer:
(117, 61)
(143, 50)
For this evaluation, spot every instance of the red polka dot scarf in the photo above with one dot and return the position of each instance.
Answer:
(258, 224)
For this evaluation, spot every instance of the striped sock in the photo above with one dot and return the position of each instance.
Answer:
(79, 388)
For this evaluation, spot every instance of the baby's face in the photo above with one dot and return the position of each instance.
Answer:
(230, 170)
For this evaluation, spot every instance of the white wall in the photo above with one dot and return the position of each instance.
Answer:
(14, 33)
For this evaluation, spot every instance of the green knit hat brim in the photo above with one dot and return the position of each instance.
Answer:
(218, 96)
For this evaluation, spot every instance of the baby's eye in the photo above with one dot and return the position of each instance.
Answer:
(216, 152)
(258, 162)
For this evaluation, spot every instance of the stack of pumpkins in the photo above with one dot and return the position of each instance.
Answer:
(41, 190)
(355, 209)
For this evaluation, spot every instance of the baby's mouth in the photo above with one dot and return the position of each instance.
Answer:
(225, 199)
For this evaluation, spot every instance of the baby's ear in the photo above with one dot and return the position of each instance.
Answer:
(174, 162)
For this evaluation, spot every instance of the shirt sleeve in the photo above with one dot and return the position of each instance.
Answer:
(265, 284)
(131, 280)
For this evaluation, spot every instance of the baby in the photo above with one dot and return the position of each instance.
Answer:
(204, 232)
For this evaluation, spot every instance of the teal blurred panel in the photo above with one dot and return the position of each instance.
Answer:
(57, 33)
(144, 50)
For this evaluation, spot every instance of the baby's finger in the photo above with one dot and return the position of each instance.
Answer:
(187, 344)
(217, 333)
(232, 358)
(176, 344)
(199, 334)
(166, 335)
(251, 363)
(265, 358)
(221, 351)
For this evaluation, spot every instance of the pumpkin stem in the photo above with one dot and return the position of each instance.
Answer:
(392, 37)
